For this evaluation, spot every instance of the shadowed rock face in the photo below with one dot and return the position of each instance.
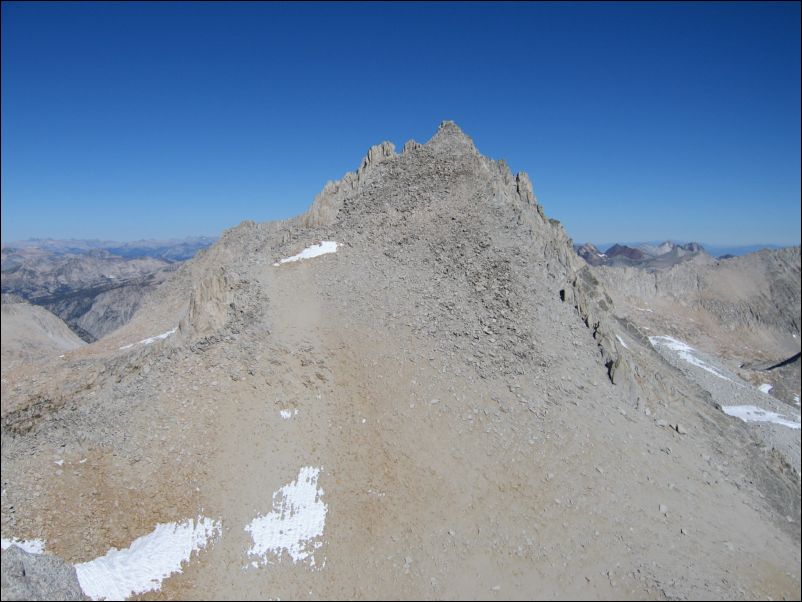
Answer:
(624, 251)
(37, 577)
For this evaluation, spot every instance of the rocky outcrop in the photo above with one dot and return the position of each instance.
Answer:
(328, 202)
(28, 576)
(410, 146)
(209, 305)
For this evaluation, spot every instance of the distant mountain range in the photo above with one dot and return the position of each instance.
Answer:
(652, 255)
(659, 254)
(94, 286)
(167, 250)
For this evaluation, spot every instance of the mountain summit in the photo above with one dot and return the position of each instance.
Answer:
(416, 390)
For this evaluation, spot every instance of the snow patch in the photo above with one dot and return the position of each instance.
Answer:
(287, 414)
(765, 388)
(755, 414)
(150, 340)
(147, 562)
(297, 520)
(323, 247)
(32, 546)
(620, 340)
(685, 352)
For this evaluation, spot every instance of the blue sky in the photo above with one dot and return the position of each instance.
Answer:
(635, 122)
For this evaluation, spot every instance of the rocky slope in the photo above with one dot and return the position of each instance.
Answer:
(447, 406)
(30, 333)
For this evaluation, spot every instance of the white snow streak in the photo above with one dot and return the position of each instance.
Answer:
(297, 520)
(150, 340)
(287, 414)
(685, 352)
(765, 388)
(323, 247)
(620, 340)
(147, 561)
(755, 414)
(32, 546)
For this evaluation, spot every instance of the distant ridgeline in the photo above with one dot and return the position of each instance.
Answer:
(659, 255)
(169, 250)
(94, 286)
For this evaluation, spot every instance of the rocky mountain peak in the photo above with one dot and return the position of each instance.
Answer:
(450, 138)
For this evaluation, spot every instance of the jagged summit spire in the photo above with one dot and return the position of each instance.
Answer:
(449, 135)
(447, 124)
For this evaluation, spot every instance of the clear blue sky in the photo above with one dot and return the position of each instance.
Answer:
(635, 122)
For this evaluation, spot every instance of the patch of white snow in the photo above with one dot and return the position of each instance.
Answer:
(620, 340)
(287, 414)
(32, 546)
(685, 352)
(323, 247)
(150, 340)
(755, 414)
(765, 388)
(147, 562)
(296, 522)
